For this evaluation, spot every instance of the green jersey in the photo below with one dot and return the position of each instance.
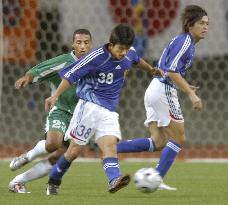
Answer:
(48, 71)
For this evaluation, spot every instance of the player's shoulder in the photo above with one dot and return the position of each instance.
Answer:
(65, 56)
(96, 53)
(183, 38)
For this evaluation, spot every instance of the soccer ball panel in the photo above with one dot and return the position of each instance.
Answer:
(147, 180)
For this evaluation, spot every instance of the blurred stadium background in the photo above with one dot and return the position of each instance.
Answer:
(34, 30)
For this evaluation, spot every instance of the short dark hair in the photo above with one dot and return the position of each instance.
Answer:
(190, 15)
(82, 31)
(122, 34)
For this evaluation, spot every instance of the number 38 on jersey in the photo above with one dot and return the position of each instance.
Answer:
(105, 78)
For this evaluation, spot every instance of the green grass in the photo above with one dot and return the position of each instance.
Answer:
(85, 183)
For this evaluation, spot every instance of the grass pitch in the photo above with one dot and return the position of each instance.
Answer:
(86, 184)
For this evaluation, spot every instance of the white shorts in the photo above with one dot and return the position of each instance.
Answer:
(91, 119)
(162, 105)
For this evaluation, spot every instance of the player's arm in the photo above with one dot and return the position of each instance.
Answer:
(70, 75)
(42, 71)
(147, 67)
(50, 102)
(185, 87)
(23, 81)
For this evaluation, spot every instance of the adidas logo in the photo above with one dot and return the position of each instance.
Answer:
(118, 67)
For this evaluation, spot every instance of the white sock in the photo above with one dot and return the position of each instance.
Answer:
(39, 170)
(37, 151)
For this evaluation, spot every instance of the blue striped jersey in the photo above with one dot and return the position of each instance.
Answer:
(99, 77)
(177, 57)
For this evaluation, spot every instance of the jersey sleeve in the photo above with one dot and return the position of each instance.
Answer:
(85, 65)
(176, 50)
(44, 70)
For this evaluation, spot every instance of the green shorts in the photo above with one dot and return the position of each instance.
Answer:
(58, 120)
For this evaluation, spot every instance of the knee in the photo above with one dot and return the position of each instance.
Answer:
(53, 158)
(73, 151)
(53, 142)
(182, 139)
(51, 146)
(159, 142)
(109, 148)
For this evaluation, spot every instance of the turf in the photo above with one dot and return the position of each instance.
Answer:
(85, 183)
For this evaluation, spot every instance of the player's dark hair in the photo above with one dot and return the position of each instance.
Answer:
(122, 34)
(190, 15)
(82, 31)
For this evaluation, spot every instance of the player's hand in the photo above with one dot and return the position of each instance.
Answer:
(157, 72)
(196, 101)
(50, 102)
(23, 81)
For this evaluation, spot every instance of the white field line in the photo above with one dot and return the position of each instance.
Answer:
(194, 160)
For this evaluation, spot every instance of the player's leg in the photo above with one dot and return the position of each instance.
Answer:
(39, 170)
(164, 101)
(154, 143)
(176, 134)
(61, 166)
(106, 136)
(76, 130)
(56, 124)
(156, 140)
(107, 144)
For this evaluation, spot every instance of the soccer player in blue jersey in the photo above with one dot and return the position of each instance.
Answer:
(164, 115)
(100, 77)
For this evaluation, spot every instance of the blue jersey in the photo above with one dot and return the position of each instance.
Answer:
(177, 57)
(99, 77)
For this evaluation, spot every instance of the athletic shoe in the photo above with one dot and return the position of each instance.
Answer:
(52, 189)
(119, 183)
(164, 186)
(17, 187)
(18, 162)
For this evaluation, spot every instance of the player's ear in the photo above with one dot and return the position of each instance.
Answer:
(111, 45)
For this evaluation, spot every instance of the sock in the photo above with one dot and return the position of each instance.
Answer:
(111, 167)
(58, 170)
(39, 170)
(136, 145)
(37, 151)
(167, 157)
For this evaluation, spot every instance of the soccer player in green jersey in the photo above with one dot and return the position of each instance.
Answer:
(59, 116)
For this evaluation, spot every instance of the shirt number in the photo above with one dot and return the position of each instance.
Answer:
(105, 78)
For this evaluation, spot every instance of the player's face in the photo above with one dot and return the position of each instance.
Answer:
(199, 29)
(118, 51)
(82, 44)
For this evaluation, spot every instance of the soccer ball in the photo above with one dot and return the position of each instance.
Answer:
(147, 180)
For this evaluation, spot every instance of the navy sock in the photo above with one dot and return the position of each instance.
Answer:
(167, 157)
(58, 170)
(136, 145)
(111, 167)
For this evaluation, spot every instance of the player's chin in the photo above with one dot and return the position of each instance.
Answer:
(82, 53)
(120, 57)
(203, 36)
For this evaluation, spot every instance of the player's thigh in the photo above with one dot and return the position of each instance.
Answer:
(73, 150)
(156, 105)
(107, 145)
(83, 123)
(157, 135)
(108, 124)
(54, 156)
(56, 124)
(161, 102)
(175, 131)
